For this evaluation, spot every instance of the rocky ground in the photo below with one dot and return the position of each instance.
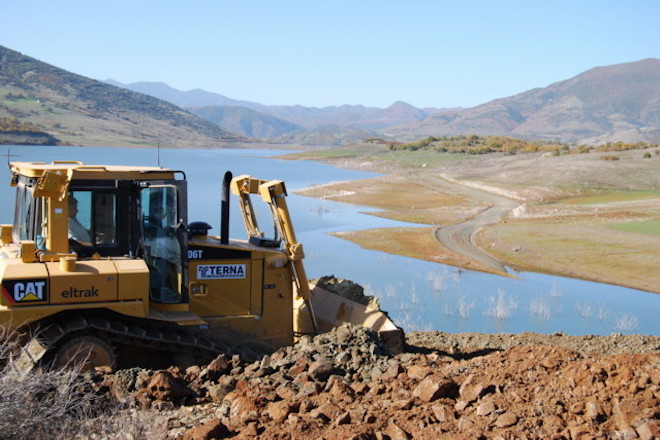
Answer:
(344, 385)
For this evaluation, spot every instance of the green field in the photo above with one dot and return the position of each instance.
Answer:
(612, 197)
(650, 227)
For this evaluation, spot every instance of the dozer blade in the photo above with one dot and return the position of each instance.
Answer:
(30, 356)
(333, 310)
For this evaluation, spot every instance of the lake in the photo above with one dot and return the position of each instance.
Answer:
(419, 295)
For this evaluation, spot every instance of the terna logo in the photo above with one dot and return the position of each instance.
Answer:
(21, 291)
(221, 272)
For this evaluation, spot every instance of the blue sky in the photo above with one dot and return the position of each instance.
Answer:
(333, 52)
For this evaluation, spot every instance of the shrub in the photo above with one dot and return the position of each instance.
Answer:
(47, 404)
(610, 157)
(647, 155)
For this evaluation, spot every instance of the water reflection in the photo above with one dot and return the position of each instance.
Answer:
(418, 294)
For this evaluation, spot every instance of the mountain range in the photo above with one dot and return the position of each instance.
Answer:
(618, 102)
(611, 103)
(297, 122)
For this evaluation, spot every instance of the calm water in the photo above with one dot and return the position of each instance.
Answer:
(419, 295)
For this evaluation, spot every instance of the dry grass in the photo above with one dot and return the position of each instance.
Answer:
(64, 404)
(580, 250)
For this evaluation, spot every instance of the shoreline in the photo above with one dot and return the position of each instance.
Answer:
(481, 234)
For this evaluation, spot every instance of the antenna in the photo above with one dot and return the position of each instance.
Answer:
(159, 166)
(8, 155)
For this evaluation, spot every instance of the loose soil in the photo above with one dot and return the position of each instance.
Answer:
(345, 385)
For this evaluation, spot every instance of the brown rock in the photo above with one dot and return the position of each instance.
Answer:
(218, 366)
(321, 369)
(443, 413)
(213, 429)
(279, 411)
(649, 430)
(308, 389)
(470, 390)
(360, 387)
(460, 405)
(392, 372)
(340, 389)
(241, 411)
(395, 432)
(625, 414)
(251, 430)
(328, 410)
(579, 431)
(362, 436)
(287, 391)
(505, 420)
(435, 387)
(342, 419)
(594, 412)
(553, 424)
(486, 408)
(298, 369)
(306, 406)
(404, 404)
(164, 386)
(419, 372)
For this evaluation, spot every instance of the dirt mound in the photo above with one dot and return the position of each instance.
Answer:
(467, 344)
(347, 289)
(344, 385)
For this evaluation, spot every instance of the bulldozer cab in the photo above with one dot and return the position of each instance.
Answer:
(95, 212)
(153, 212)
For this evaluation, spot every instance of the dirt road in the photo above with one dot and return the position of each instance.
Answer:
(461, 237)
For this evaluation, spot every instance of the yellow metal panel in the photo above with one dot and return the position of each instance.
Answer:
(17, 316)
(274, 324)
(5, 232)
(133, 279)
(52, 184)
(168, 308)
(90, 281)
(257, 286)
(58, 221)
(23, 283)
(27, 251)
(78, 170)
(220, 287)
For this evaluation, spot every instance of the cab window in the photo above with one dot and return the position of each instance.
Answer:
(92, 218)
(28, 216)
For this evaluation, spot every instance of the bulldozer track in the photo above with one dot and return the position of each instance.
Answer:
(122, 331)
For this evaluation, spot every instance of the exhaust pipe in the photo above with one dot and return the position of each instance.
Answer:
(224, 209)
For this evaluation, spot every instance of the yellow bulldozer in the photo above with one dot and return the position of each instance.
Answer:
(102, 263)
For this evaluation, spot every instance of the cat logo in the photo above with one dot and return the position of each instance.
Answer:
(22, 291)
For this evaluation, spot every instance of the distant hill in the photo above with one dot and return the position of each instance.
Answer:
(605, 104)
(191, 98)
(329, 135)
(612, 103)
(371, 118)
(307, 123)
(246, 121)
(77, 110)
